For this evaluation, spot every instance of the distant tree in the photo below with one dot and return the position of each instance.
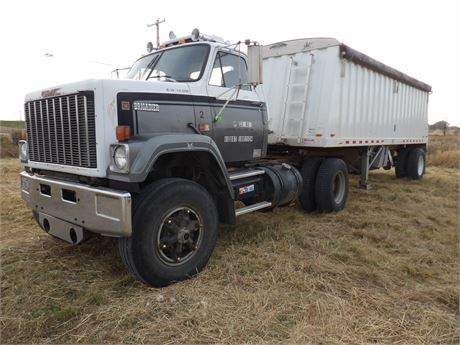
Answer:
(442, 125)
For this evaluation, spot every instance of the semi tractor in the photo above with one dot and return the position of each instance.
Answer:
(200, 133)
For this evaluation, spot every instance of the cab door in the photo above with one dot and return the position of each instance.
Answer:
(239, 117)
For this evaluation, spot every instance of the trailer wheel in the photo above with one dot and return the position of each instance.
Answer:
(401, 163)
(175, 226)
(416, 163)
(331, 187)
(307, 195)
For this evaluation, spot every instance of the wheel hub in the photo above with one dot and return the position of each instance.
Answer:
(183, 236)
(338, 187)
(179, 236)
(420, 165)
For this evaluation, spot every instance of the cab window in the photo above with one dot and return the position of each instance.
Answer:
(229, 70)
(182, 64)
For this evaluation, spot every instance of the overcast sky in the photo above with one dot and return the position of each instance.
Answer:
(91, 38)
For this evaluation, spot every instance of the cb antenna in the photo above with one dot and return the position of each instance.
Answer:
(157, 24)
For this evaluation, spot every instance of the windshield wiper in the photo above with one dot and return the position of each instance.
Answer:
(149, 67)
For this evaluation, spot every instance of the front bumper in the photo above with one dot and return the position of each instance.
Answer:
(97, 209)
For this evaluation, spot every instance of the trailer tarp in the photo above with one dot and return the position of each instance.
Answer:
(366, 61)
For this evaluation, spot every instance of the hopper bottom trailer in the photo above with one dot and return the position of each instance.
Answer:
(326, 99)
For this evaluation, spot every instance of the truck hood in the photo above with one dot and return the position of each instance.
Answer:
(105, 115)
(110, 87)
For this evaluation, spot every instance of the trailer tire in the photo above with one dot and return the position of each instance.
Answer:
(331, 187)
(416, 163)
(175, 227)
(307, 194)
(401, 163)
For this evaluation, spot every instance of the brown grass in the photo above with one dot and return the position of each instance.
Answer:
(444, 150)
(384, 270)
(9, 138)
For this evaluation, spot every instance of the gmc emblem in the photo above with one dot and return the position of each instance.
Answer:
(50, 93)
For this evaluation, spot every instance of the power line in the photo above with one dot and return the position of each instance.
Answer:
(157, 24)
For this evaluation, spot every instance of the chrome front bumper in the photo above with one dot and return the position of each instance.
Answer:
(97, 209)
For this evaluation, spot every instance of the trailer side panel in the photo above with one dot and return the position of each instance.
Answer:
(321, 97)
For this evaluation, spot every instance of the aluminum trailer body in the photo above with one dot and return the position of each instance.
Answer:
(321, 93)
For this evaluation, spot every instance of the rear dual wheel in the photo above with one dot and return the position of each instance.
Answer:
(411, 163)
(325, 186)
(416, 163)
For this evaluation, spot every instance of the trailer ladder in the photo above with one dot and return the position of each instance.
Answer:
(294, 107)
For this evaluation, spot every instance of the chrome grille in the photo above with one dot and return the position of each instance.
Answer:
(62, 130)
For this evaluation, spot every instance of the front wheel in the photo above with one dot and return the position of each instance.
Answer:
(175, 228)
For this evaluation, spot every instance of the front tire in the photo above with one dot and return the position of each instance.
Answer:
(175, 227)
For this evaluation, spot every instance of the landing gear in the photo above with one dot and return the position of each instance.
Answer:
(364, 169)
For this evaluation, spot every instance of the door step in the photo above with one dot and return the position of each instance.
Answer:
(247, 173)
(252, 208)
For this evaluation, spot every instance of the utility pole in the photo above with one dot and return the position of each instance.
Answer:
(157, 24)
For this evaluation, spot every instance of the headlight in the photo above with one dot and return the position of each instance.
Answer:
(23, 151)
(120, 158)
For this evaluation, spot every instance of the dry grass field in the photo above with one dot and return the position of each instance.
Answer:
(384, 270)
(9, 138)
(444, 150)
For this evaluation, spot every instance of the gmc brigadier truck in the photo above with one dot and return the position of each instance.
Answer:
(160, 158)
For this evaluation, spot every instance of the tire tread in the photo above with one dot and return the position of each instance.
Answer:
(401, 163)
(323, 193)
(309, 171)
(412, 163)
(137, 257)
(125, 243)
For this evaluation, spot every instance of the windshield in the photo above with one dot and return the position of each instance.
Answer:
(182, 64)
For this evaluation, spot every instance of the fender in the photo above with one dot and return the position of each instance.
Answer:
(144, 152)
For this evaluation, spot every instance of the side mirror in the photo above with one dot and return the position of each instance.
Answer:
(255, 66)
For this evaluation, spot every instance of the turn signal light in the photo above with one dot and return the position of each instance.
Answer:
(23, 134)
(204, 127)
(123, 133)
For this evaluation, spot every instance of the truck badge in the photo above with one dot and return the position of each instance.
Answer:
(146, 106)
(50, 93)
